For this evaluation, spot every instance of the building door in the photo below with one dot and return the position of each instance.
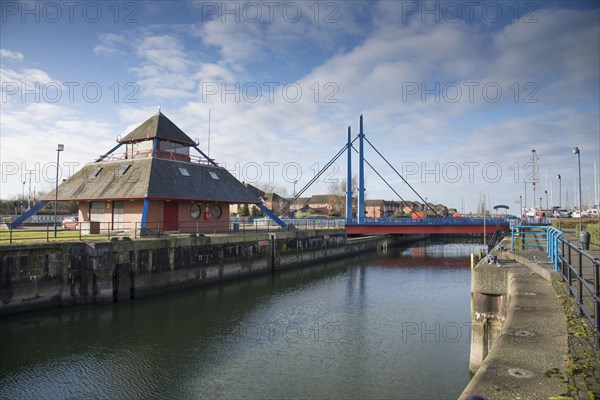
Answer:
(118, 214)
(171, 215)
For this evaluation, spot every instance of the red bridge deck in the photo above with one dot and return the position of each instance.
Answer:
(443, 226)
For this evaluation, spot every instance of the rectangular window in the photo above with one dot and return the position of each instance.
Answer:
(183, 171)
(94, 173)
(124, 169)
(213, 175)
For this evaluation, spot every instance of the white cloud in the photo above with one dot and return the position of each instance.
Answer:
(11, 55)
(111, 44)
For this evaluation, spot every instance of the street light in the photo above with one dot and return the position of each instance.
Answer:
(559, 199)
(58, 150)
(559, 191)
(584, 237)
(23, 199)
(546, 193)
(534, 159)
(576, 151)
(525, 182)
(295, 210)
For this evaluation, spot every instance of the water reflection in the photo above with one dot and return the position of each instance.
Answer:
(392, 325)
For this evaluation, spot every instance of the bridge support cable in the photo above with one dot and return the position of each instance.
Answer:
(314, 179)
(398, 173)
(390, 186)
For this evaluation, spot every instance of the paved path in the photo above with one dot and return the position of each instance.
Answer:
(581, 371)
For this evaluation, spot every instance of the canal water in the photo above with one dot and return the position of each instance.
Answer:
(393, 325)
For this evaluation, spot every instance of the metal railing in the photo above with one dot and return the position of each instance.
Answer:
(581, 272)
(438, 221)
(533, 236)
(87, 230)
(579, 269)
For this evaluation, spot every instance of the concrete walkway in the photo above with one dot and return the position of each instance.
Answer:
(545, 349)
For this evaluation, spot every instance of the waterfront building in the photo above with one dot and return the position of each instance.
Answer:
(155, 184)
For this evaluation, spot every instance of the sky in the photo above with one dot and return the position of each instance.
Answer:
(455, 94)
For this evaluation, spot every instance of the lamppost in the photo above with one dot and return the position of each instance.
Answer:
(58, 150)
(546, 193)
(559, 198)
(534, 159)
(584, 237)
(23, 199)
(296, 181)
(525, 182)
(559, 191)
(521, 205)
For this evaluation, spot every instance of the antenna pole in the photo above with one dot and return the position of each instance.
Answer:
(209, 110)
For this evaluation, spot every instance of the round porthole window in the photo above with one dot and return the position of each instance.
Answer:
(216, 211)
(195, 211)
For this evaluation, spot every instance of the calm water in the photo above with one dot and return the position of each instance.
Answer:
(393, 325)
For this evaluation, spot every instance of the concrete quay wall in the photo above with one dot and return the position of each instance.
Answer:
(519, 331)
(45, 275)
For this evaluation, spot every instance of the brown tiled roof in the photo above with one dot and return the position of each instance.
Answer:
(154, 178)
(158, 126)
(374, 203)
(323, 199)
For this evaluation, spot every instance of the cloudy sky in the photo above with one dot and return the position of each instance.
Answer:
(455, 95)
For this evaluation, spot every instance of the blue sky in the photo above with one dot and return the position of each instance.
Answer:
(455, 94)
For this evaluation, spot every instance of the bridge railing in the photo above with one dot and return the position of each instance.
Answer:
(436, 221)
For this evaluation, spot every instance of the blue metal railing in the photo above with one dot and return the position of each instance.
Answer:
(552, 247)
(545, 237)
(435, 221)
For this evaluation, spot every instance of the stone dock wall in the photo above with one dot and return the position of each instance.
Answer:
(46, 275)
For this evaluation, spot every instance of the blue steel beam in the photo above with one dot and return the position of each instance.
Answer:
(109, 152)
(360, 214)
(37, 207)
(205, 156)
(145, 209)
(349, 179)
(271, 215)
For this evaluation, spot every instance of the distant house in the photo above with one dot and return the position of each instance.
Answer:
(382, 208)
(408, 207)
(326, 203)
(271, 200)
(155, 184)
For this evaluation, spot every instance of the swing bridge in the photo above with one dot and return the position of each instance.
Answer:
(362, 225)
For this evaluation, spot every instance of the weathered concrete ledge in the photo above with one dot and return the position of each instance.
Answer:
(45, 275)
(513, 355)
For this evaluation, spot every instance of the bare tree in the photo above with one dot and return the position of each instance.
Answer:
(338, 190)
